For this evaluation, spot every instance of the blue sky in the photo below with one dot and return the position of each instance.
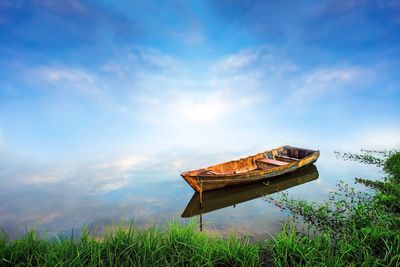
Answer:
(120, 82)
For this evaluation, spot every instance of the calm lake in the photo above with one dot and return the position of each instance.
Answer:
(55, 199)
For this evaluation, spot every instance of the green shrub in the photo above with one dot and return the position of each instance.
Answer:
(392, 167)
(349, 229)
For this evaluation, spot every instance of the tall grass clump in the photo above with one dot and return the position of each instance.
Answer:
(351, 228)
(178, 245)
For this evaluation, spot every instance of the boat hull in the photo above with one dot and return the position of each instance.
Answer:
(210, 181)
(225, 197)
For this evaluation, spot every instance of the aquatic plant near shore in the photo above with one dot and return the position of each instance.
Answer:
(351, 228)
(178, 245)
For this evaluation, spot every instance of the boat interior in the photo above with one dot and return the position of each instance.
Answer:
(263, 161)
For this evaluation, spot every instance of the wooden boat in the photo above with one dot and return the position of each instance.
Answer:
(251, 169)
(229, 196)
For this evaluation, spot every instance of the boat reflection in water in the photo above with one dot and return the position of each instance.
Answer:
(225, 197)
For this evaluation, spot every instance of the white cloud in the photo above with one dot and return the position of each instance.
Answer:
(80, 82)
(323, 81)
(64, 74)
(261, 59)
(204, 110)
(378, 138)
(210, 108)
(116, 76)
(238, 60)
(100, 177)
(373, 136)
(148, 77)
(107, 176)
(212, 105)
(49, 177)
(152, 57)
(123, 164)
(167, 99)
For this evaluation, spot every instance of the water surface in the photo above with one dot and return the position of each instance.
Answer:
(57, 200)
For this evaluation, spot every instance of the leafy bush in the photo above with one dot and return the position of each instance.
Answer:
(392, 167)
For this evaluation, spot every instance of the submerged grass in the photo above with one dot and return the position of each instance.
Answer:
(179, 245)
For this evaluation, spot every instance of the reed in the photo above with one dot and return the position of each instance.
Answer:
(178, 245)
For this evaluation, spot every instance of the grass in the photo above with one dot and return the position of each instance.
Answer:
(179, 245)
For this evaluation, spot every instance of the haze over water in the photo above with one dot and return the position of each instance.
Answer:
(102, 105)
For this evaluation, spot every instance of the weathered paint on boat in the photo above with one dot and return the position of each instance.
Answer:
(250, 169)
(229, 196)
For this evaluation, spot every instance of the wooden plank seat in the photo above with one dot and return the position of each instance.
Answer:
(265, 163)
(285, 158)
(272, 162)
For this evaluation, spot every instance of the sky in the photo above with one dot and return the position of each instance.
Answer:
(107, 86)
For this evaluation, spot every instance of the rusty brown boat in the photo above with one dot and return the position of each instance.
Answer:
(251, 169)
(234, 195)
